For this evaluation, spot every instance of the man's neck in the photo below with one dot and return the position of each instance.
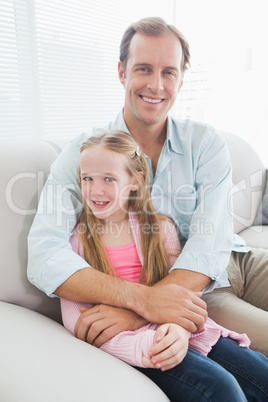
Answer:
(150, 138)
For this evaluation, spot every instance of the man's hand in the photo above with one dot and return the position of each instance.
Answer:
(173, 304)
(100, 323)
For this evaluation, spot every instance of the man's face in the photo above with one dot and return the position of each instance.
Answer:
(152, 78)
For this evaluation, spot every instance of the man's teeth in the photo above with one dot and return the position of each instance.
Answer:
(151, 100)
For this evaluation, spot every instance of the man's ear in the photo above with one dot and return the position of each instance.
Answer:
(137, 181)
(181, 83)
(121, 74)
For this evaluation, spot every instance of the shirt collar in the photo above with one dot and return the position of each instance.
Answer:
(173, 138)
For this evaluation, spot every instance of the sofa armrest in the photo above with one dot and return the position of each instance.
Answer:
(256, 236)
(41, 361)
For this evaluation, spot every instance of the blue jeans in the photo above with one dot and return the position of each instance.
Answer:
(228, 373)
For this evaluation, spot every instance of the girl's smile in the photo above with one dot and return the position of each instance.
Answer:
(100, 204)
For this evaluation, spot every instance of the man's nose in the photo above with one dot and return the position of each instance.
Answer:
(155, 83)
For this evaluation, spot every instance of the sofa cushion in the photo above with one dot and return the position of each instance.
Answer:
(248, 174)
(41, 361)
(256, 236)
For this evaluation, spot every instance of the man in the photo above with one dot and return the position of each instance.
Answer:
(190, 179)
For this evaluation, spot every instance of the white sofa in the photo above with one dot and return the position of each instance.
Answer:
(39, 359)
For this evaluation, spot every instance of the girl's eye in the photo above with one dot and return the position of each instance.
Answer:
(109, 179)
(87, 178)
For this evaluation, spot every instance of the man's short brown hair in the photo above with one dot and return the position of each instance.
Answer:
(153, 26)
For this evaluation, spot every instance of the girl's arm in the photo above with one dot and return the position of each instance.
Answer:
(132, 346)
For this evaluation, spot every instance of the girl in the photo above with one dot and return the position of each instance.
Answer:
(120, 234)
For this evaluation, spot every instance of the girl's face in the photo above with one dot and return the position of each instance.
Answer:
(105, 182)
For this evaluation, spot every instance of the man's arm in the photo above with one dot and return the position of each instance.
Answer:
(178, 304)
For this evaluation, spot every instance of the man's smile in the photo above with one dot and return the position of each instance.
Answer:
(151, 100)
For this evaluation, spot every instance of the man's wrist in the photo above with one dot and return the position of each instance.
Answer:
(137, 297)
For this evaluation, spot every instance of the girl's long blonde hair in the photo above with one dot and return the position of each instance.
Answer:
(155, 264)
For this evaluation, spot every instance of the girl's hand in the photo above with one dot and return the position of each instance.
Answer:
(170, 349)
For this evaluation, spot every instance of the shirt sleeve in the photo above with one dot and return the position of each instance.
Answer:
(210, 226)
(51, 260)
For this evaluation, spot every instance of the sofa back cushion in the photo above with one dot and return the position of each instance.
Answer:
(262, 214)
(24, 169)
(249, 180)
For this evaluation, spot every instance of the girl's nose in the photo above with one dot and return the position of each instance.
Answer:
(97, 189)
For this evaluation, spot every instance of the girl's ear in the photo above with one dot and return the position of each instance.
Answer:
(137, 181)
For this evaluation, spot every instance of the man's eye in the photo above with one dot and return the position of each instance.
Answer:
(143, 69)
(109, 179)
(169, 73)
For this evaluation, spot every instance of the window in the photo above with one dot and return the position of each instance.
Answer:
(58, 64)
